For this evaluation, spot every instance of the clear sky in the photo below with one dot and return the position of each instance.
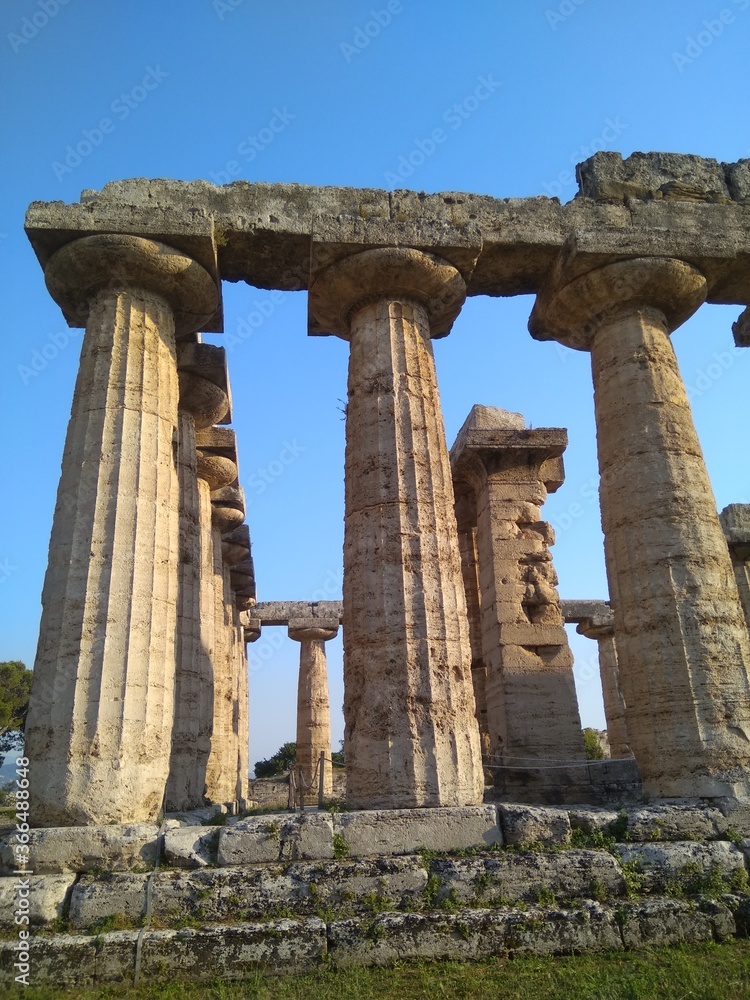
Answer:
(343, 93)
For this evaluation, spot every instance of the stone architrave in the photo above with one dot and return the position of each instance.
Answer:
(99, 727)
(411, 736)
(602, 629)
(532, 711)
(466, 521)
(735, 520)
(682, 641)
(313, 710)
(203, 401)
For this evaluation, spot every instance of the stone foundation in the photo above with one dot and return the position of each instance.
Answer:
(284, 892)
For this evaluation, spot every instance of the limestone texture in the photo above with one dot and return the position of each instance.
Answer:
(682, 640)
(313, 708)
(57, 850)
(100, 714)
(602, 630)
(47, 898)
(532, 711)
(403, 831)
(411, 736)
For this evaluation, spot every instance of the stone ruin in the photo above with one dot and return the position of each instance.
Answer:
(456, 660)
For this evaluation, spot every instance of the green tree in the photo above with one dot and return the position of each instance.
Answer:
(592, 745)
(15, 685)
(280, 762)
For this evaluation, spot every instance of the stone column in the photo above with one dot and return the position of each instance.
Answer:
(735, 521)
(682, 641)
(100, 717)
(203, 401)
(466, 521)
(411, 737)
(532, 711)
(313, 711)
(228, 514)
(602, 629)
(236, 550)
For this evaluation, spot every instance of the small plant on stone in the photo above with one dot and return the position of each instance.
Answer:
(634, 876)
(733, 835)
(272, 830)
(432, 888)
(463, 929)
(376, 902)
(341, 848)
(598, 891)
(544, 896)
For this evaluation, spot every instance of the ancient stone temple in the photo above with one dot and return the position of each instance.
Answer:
(452, 621)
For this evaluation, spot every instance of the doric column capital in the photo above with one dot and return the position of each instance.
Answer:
(494, 443)
(599, 627)
(320, 629)
(80, 270)
(572, 310)
(398, 273)
(735, 522)
(204, 382)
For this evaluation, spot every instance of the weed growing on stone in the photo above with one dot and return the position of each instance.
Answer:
(341, 848)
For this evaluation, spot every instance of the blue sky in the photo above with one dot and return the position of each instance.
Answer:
(345, 93)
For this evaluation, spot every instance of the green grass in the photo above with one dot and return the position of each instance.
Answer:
(705, 972)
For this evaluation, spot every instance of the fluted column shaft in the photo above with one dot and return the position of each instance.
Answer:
(201, 403)
(100, 716)
(614, 703)
(682, 641)
(313, 710)
(411, 738)
(466, 521)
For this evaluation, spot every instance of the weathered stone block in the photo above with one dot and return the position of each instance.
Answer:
(191, 846)
(276, 837)
(282, 945)
(63, 960)
(682, 862)
(404, 831)
(528, 876)
(675, 822)
(589, 818)
(81, 848)
(656, 923)
(46, 898)
(97, 897)
(522, 824)
(471, 934)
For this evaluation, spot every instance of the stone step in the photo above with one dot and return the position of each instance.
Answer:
(349, 888)
(233, 951)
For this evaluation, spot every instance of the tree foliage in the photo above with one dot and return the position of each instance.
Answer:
(15, 685)
(592, 745)
(280, 762)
